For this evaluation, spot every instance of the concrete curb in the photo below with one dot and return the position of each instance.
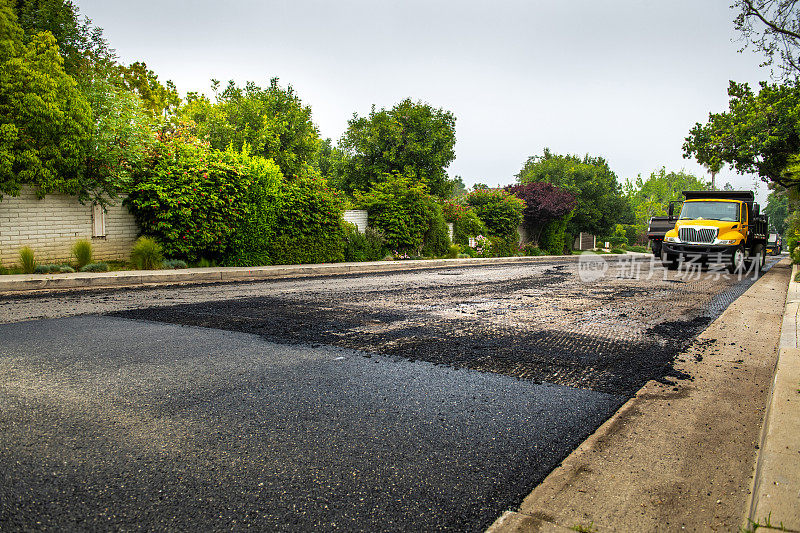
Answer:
(125, 278)
(775, 497)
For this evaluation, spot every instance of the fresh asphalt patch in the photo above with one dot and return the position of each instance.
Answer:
(108, 423)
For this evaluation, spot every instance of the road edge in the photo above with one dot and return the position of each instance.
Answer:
(775, 495)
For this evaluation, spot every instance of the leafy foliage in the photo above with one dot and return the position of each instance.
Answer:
(271, 122)
(600, 201)
(757, 135)
(465, 221)
(499, 210)
(544, 203)
(650, 197)
(553, 238)
(402, 209)
(367, 246)
(192, 199)
(411, 139)
(777, 209)
(309, 224)
(95, 267)
(44, 120)
(159, 99)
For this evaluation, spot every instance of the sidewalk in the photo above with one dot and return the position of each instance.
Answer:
(776, 488)
(126, 278)
(692, 455)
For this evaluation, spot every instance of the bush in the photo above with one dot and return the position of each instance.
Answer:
(194, 200)
(43, 269)
(66, 269)
(172, 264)
(82, 251)
(146, 254)
(553, 236)
(436, 241)
(309, 225)
(95, 267)
(27, 260)
(619, 238)
(617, 251)
(499, 210)
(367, 246)
(402, 209)
(530, 249)
(465, 222)
(205, 263)
(453, 251)
(640, 249)
(795, 255)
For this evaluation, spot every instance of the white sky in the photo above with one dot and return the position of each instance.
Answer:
(624, 79)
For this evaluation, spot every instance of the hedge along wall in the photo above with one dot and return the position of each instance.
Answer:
(51, 226)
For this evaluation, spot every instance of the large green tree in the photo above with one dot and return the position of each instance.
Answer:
(272, 122)
(412, 139)
(757, 135)
(44, 119)
(777, 209)
(650, 197)
(601, 203)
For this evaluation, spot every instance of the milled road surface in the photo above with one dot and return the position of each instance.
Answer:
(416, 401)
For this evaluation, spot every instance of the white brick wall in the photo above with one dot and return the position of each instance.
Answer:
(357, 217)
(52, 225)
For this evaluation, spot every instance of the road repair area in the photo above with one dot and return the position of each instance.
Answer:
(428, 400)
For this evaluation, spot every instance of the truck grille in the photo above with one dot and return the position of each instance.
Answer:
(705, 235)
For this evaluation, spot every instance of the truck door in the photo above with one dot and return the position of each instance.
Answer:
(744, 218)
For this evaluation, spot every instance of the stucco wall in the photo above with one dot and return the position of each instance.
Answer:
(52, 225)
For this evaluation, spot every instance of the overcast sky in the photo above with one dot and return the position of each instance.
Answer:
(622, 79)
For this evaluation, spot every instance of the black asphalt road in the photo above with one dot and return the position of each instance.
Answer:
(108, 423)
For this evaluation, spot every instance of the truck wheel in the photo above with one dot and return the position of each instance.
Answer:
(736, 263)
(670, 262)
(656, 246)
(759, 257)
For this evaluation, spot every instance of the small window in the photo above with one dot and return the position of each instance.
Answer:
(98, 220)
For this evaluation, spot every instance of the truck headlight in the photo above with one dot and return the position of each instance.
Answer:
(720, 241)
(672, 239)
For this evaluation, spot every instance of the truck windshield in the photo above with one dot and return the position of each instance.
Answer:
(728, 211)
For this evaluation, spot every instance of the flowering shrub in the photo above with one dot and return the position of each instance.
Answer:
(499, 210)
(192, 199)
(465, 222)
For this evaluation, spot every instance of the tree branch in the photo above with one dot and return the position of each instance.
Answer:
(771, 25)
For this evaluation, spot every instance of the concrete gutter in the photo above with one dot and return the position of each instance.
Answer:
(126, 278)
(775, 497)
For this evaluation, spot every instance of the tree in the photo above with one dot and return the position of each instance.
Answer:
(44, 120)
(412, 139)
(122, 133)
(160, 100)
(600, 200)
(757, 135)
(544, 203)
(499, 210)
(650, 198)
(773, 27)
(81, 45)
(272, 122)
(777, 209)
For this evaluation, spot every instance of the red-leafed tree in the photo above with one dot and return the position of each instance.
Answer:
(544, 203)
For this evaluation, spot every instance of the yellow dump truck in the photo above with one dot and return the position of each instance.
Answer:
(717, 226)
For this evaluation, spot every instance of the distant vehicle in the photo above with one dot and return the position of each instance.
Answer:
(774, 244)
(659, 226)
(717, 226)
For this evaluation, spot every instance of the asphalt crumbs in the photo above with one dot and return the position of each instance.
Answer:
(107, 423)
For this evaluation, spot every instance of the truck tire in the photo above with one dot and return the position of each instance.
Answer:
(759, 257)
(670, 262)
(656, 246)
(736, 263)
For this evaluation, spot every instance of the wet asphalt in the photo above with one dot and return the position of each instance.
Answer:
(107, 423)
(412, 402)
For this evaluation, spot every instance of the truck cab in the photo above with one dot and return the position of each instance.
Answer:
(717, 226)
